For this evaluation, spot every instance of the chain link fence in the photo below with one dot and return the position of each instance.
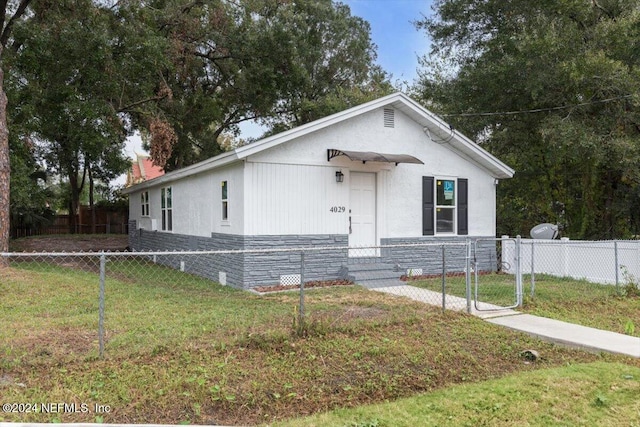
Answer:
(574, 264)
(95, 288)
(429, 273)
(74, 290)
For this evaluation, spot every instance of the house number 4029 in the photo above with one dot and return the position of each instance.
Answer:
(337, 209)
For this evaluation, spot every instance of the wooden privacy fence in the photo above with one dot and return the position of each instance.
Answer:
(107, 222)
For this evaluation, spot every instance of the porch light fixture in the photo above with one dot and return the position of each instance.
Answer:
(339, 176)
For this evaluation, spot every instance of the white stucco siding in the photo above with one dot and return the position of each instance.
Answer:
(197, 203)
(135, 209)
(399, 188)
(153, 220)
(290, 199)
(192, 205)
(482, 206)
(403, 205)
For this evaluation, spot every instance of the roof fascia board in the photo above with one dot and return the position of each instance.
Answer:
(490, 161)
(266, 143)
(495, 171)
(464, 144)
(314, 126)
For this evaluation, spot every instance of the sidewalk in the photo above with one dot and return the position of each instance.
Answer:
(556, 331)
(572, 335)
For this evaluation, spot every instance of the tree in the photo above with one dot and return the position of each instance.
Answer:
(31, 196)
(280, 62)
(10, 13)
(551, 88)
(79, 70)
(86, 73)
(333, 61)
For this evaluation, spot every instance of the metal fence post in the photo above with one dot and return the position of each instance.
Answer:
(301, 318)
(444, 272)
(617, 262)
(533, 268)
(103, 261)
(565, 256)
(518, 271)
(467, 275)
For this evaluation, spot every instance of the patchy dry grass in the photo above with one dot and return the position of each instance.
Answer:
(183, 349)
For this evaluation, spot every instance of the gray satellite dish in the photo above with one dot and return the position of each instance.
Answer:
(544, 231)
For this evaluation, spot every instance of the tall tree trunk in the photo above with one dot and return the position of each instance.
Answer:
(6, 25)
(91, 206)
(5, 171)
(73, 203)
(76, 184)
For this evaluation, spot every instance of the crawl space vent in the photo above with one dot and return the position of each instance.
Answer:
(389, 118)
(290, 279)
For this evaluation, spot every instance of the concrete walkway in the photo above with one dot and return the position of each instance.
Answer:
(556, 331)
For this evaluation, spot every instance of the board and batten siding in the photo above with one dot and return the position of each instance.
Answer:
(289, 199)
(399, 187)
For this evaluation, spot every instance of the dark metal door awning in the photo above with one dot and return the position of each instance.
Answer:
(369, 156)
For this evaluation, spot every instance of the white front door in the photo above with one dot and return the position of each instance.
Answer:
(362, 213)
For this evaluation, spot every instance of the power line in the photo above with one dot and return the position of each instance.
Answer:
(536, 110)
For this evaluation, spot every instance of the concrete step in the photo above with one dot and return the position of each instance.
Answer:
(370, 267)
(364, 260)
(382, 283)
(363, 275)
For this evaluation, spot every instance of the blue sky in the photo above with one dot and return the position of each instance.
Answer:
(399, 43)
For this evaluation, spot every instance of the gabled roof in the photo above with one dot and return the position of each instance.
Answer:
(142, 169)
(438, 130)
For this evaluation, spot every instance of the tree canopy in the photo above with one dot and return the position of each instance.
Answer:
(278, 62)
(72, 76)
(84, 74)
(552, 88)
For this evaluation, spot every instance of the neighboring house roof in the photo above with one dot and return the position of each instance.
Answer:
(142, 169)
(434, 126)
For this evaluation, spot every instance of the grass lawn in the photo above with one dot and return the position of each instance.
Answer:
(570, 300)
(594, 394)
(182, 349)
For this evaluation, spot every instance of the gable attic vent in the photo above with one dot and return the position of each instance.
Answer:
(389, 118)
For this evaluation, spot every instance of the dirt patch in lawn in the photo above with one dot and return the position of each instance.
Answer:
(314, 284)
(58, 344)
(71, 243)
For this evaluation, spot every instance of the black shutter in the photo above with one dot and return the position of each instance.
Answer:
(427, 206)
(463, 207)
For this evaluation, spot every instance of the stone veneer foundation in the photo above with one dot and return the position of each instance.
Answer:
(249, 269)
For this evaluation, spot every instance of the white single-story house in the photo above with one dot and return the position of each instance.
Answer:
(381, 173)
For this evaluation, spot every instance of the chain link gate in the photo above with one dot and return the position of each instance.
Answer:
(496, 278)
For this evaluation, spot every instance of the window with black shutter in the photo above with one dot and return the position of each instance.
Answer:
(427, 206)
(445, 206)
(463, 211)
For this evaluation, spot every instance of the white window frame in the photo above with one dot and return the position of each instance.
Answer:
(438, 207)
(166, 205)
(144, 201)
(224, 200)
